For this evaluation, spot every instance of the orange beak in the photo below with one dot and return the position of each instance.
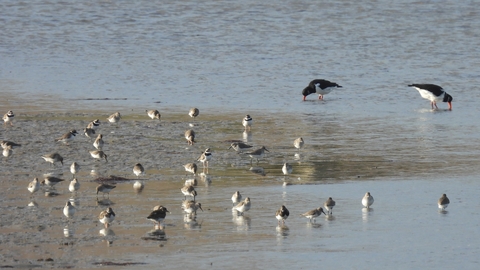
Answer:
(304, 97)
(449, 105)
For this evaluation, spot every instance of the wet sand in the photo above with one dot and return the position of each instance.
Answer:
(405, 180)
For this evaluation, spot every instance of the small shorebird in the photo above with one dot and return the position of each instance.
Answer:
(158, 215)
(12, 145)
(433, 93)
(205, 157)
(298, 143)
(191, 207)
(236, 197)
(239, 146)
(367, 200)
(247, 122)
(105, 188)
(312, 214)
(194, 112)
(74, 185)
(69, 136)
(34, 186)
(7, 151)
(257, 154)
(98, 143)
(153, 114)
(89, 132)
(243, 207)
(189, 190)
(329, 204)
(8, 118)
(68, 210)
(107, 216)
(98, 154)
(52, 158)
(114, 118)
(191, 167)
(190, 136)
(443, 202)
(282, 214)
(287, 168)
(51, 181)
(94, 124)
(319, 86)
(74, 168)
(138, 169)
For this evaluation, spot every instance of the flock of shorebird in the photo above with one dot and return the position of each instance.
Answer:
(431, 92)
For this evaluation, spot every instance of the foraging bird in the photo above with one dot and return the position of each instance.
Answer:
(8, 118)
(68, 210)
(69, 136)
(191, 167)
(433, 93)
(205, 157)
(138, 169)
(189, 190)
(367, 200)
(236, 197)
(287, 168)
(320, 86)
(312, 214)
(239, 146)
(190, 207)
(257, 154)
(247, 122)
(52, 158)
(194, 112)
(98, 154)
(158, 215)
(153, 114)
(243, 207)
(114, 118)
(34, 186)
(98, 143)
(329, 204)
(51, 181)
(107, 216)
(443, 202)
(282, 214)
(105, 188)
(298, 143)
(190, 136)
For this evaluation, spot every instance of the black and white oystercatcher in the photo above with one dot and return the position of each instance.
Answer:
(319, 86)
(433, 93)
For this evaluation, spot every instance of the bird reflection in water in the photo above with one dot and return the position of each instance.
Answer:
(104, 202)
(258, 170)
(206, 179)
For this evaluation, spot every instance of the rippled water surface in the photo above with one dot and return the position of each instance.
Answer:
(65, 63)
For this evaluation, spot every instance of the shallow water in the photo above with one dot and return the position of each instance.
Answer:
(65, 63)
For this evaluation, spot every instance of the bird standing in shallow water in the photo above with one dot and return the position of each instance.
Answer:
(312, 214)
(433, 93)
(74, 185)
(298, 143)
(239, 146)
(51, 181)
(443, 202)
(257, 154)
(189, 190)
(107, 216)
(98, 143)
(194, 112)
(282, 214)
(190, 136)
(105, 188)
(67, 137)
(34, 186)
(52, 158)
(236, 197)
(98, 154)
(138, 169)
(191, 167)
(74, 168)
(287, 168)
(320, 86)
(243, 207)
(158, 215)
(114, 118)
(205, 157)
(367, 200)
(329, 204)
(68, 210)
(247, 122)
